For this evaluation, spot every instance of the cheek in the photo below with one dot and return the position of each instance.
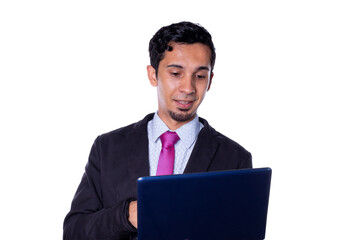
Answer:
(203, 95)
(202, 88)
(169, 87)
(165, 91)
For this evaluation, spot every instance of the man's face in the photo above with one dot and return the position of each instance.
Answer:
(184, 76)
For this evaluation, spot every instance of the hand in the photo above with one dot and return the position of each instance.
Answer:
(133, 213)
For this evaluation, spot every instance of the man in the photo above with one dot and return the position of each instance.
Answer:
(182, 59)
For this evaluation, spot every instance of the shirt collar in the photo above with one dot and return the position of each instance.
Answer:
(187, 133)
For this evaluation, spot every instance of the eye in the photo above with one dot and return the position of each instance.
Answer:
(175, 74)
(199, 76)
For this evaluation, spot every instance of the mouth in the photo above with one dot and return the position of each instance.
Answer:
(184, 104)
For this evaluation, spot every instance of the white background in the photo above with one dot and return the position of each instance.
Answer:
(285, 87)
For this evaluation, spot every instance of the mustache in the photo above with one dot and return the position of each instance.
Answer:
(184, 97)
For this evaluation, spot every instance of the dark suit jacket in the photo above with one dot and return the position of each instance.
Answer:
(117, 159)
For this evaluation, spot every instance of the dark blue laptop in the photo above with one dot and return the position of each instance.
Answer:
(213, 205)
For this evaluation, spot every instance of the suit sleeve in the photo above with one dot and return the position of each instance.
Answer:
(247, 162)
(88, 219)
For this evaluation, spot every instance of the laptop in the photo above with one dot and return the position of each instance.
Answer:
(213, 205)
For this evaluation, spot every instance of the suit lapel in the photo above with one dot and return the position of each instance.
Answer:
(138, 145)
(203, 152)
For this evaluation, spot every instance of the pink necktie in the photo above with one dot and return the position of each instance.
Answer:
(167, 154)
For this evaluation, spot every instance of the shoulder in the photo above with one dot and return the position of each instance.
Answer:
(219, 137)
(130, 131)
(226, 147)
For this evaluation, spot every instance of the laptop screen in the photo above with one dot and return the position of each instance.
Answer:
(213, 205)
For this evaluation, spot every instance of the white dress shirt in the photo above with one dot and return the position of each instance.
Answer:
(187, 133)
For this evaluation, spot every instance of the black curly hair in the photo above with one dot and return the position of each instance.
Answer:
(182, 32)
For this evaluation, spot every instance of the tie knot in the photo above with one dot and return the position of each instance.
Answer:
(168, 139)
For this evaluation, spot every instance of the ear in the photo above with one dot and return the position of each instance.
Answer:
(211, 76)
(152, 76)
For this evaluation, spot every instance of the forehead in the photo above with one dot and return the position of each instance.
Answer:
(187, 55)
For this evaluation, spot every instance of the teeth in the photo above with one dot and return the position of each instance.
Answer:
(184, 102)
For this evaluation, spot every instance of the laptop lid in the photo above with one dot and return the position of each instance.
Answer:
(212, 205)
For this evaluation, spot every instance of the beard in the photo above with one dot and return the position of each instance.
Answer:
(181, 117)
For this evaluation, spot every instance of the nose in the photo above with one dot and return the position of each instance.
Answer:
(187, 85)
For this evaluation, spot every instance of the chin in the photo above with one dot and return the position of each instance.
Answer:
(181, 116)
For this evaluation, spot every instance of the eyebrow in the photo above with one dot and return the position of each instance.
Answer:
(203, 68)
(174, 65)
(179, 66)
